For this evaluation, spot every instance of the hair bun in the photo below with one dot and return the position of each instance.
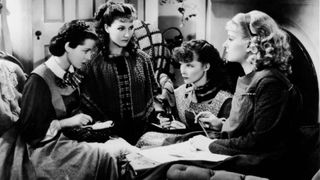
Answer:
(73, 27)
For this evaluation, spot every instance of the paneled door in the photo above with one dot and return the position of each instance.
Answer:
(49, 16)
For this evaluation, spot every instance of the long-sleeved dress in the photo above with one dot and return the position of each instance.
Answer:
(262, 125)
(123, 88)
(58, 157)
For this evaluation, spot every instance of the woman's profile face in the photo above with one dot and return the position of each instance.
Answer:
(192, 71)
(81, 54)
(235, 45)
(120, 31)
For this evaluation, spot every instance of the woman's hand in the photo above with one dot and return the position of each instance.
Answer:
(119, 146)
(201, 142)
(177, 125)
(164, 121)
(76, 120)
(210, 120)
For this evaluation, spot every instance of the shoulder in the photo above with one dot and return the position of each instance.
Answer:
(35, 84)
(35, 80)
(12, 66)
(224, 95)
(40, 70)
(270, 82)
(141, 54)
(271, 76)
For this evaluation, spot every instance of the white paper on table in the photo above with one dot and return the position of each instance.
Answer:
(180, 151)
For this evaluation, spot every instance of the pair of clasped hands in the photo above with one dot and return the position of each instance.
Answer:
(208, 119)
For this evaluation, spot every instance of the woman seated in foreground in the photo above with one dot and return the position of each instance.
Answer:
(264, 106)
(50, 98)
(206, 88)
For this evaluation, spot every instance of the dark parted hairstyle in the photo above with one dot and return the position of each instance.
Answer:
(75, 32)
(207, 53)
(106, 14)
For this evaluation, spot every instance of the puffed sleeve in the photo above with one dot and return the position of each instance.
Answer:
(37, 111)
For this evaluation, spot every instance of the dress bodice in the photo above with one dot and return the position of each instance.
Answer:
(184, 103)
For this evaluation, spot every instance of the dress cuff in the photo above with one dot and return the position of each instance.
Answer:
(53, 130)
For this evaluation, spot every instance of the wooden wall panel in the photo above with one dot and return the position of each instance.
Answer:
(85, 9)
(53, 11)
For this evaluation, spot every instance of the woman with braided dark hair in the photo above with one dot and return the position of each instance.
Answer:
(49, 105)
(120, 79)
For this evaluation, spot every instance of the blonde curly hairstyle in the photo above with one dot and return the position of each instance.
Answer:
(269, 46)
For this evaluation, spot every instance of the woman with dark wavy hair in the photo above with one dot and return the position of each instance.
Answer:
(120, 79)
(206, 85)
(36, 147)
(206, 88)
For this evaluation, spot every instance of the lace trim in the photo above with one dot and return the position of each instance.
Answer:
(8, 82)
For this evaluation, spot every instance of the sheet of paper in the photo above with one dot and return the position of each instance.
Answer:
(148, 158)
(180, 151)
(140, 163)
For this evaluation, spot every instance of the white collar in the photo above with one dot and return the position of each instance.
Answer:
(52, 64)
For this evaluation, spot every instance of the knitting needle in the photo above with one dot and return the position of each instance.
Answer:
(201, 124)
(204, 130)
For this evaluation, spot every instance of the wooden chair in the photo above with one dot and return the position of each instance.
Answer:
(11, 58)
(305, 78)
